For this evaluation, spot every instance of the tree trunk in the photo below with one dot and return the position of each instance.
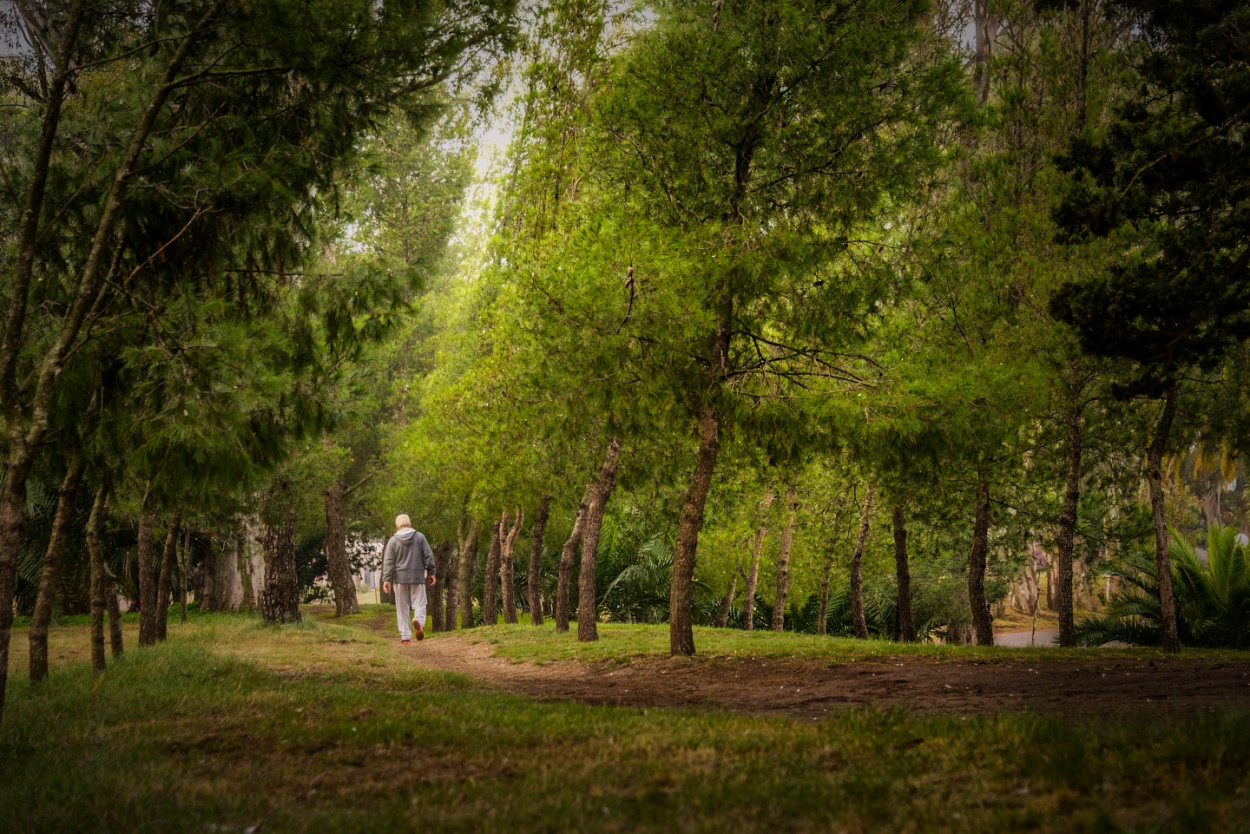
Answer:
(1163, 561)
(147, 572)
(117, 645)
(507, 568)
(490, 580)
(857, 565)
(587, 603)
(822, 610)
(279, 602)
(985, 25)
(904, 626)
(467, 564)
(12, 511)
(249, 539)
(982, 622)
(164, 588)
(450, 585)
(50, 575)
(753, 575)
(567, 555)
(1051, 579)
(442, 555)
(534, 578)
(783, 562)
(339, 565)
(681, 617)
(727, 601)
(101, 583)
(184, 569)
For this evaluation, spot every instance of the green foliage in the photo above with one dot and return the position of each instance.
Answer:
(1168, 177)
(1212, 598)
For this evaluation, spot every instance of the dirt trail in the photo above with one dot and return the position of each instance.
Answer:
(812, 689)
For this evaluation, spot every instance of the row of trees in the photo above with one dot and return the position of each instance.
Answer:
(180, 340)
(845, 305)
(784, 267)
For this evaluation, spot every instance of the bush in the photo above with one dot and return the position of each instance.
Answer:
(1212, 599)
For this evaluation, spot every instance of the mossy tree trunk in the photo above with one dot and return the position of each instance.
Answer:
(490, 578)
(164, 587)
(568, 555)
(67, 497)
(534, 578)
(982, 621)
(587, 604)
(681, 592)
(279, 602)
(101, 579)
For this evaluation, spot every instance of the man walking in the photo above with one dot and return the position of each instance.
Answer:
(406, 563)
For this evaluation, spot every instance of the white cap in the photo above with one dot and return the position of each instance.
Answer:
(402, 520)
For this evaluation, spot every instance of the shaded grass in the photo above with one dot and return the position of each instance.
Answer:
(617, 641)
(233, 724)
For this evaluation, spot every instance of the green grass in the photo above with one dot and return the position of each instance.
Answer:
(524, 643)
(328, 727)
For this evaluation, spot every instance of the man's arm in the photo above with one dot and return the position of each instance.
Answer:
(388, 564)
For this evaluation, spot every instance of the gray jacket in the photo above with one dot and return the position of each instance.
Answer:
(407, 558)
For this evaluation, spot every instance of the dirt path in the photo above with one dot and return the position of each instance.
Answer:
(812, 689)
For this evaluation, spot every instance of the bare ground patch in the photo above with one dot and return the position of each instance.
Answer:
(812, 689)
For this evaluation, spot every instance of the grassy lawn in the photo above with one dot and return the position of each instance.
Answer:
(620, 641)
(233, 726)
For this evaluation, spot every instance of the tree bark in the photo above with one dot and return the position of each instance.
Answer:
(985, 24)
(117, 645)
(727, 601)
(681, 617)
(507, 568)
(26, 423)
(567, 554)
(857, 565)
(21, 452)
(249, 538)
(339, 565)
(434, 595)
(1163, 561)
(147, 572)
(753, 575)
(184, 569)
(279, 602)
(982, 622)
(587, 603)
(49, 576)
(100, 579)
(467, 564)
(164, 588)
(904, 626)
(450, 586)
(534, 578)
(783, 562)
(490, 580)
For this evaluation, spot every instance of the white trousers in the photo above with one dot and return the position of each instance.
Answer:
(410, 604)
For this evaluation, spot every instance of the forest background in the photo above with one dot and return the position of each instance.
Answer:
(835, 318)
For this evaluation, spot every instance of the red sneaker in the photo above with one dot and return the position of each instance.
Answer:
(404, 642)
(417, 631)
